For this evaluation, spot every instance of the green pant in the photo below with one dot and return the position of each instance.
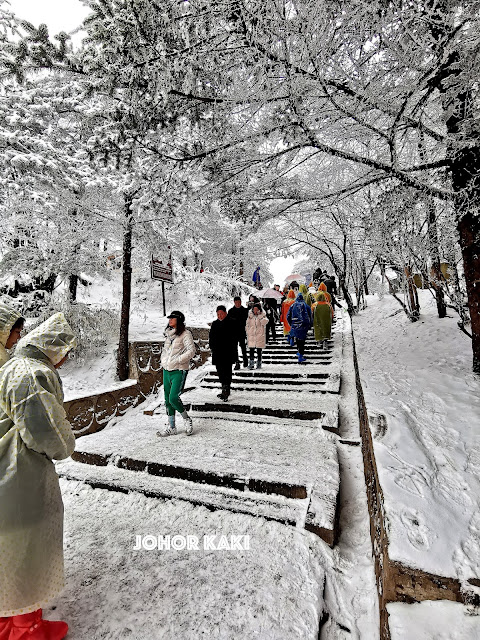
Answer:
(173, 383)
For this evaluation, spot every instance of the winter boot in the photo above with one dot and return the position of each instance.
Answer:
(259, 362)
(245, 364)
(292, 341)
(5, 627)
(171, 430)
(30, 626)
(237, 366)
(301, 359)
(226, 393)
(187, 421)
(251, 364)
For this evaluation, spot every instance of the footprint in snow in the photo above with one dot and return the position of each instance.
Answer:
(417, 532)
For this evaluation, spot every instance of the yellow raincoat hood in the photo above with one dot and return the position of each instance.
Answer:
(8, 317)
(54, 338)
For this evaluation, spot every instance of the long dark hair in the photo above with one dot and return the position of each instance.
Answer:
(179, 329)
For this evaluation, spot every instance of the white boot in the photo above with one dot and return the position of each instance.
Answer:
(187, 421)
(171, 430)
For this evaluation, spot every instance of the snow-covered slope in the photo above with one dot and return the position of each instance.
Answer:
(419, 376)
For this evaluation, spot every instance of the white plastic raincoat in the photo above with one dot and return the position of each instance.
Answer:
(8, 317)
(33, 431)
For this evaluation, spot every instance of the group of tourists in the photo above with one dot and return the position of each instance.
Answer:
(34, 430)
(248, 330)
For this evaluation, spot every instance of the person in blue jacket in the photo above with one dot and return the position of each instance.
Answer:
(299, 318)
(256, 278)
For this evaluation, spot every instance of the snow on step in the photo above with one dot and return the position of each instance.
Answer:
(269, 403)
(432, 621)
(331, 385)
(113, 591)
(271, 506)
(291, 455)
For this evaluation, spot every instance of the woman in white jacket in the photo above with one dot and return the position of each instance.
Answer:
(177, 352)
(256, 329)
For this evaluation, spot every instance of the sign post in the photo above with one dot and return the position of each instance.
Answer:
(162, 269)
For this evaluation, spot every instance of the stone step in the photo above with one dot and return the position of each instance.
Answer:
(323, 408)
(287, 470)
(280, 386)
(289, 511)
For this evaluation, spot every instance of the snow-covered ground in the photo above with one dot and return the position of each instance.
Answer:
(432, 621)
(271, 591)
(419, 376)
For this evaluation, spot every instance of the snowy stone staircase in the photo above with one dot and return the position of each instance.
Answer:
(267, 451)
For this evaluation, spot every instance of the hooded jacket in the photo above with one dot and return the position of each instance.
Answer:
(286, 304)
(177, 350)
(323, 288)
(299, 317)
(8, 317)
(256, 330)
(33, 430)
(322, 318)
(303, 290)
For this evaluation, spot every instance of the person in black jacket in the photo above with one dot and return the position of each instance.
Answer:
(223, 345)
(240, 314)
(270, 306)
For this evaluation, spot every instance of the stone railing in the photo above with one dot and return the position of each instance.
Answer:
(92, 413)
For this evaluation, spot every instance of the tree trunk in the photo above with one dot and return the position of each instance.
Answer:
(437, 279)
(464, 157)
(365, 278)
(465, 168)
(72, 287)
(122, 355)
(413, 303)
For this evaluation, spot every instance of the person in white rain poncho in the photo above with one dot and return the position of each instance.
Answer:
(11, 325)
(33, 431)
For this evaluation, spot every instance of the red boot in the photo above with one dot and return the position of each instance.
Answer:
(30, 626)
(5, 626)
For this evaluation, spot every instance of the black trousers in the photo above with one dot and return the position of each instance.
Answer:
(271, 329)
(224, 371)
(301, 346)
(243, 346)
(252, 354)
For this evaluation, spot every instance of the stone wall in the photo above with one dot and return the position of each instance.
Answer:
(92, 413)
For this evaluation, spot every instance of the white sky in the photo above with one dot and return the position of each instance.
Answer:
(281, 268)
(58, 15)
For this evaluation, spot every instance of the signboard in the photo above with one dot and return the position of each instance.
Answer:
(161, 265)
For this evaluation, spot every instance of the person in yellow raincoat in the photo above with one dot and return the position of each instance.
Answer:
(34, 430)
(11, 325)
(323, 289)
(322, 320)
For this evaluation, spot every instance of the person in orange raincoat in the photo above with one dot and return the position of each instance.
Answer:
(283, 315)
(323, 288)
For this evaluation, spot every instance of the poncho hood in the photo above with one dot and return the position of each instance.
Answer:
(54, 338)
(291, 294)
(8, 317)
(322, 287)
